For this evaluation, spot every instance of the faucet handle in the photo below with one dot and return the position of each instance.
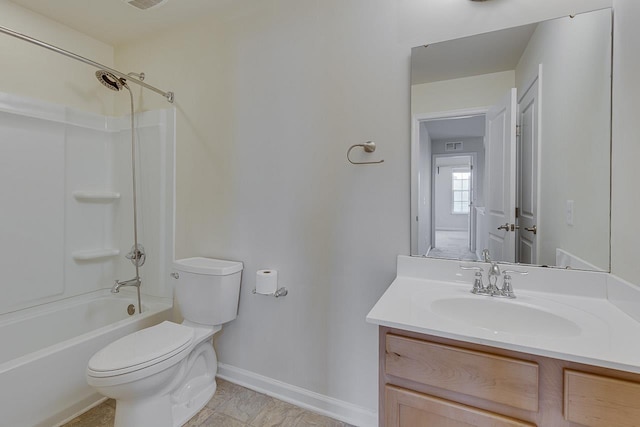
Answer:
(478, 286)
(468, 267)
(507, 289)
(521, 272)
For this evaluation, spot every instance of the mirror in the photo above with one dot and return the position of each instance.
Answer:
(511, 143)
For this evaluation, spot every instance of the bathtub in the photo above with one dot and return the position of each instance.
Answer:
(44, 353)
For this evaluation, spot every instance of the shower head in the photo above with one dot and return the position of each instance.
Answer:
(110, 81)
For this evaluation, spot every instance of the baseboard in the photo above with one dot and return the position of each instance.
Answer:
(316, 402)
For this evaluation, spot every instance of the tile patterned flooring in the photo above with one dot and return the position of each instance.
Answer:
(231, 406)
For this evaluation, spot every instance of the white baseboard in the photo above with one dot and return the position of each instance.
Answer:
(316, 402)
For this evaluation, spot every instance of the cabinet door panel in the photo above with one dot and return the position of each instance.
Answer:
(598, 401)
(498, 379)
(404, 408)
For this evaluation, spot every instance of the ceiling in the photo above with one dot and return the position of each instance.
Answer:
(470, 56)
(115, 22)
(456, 128)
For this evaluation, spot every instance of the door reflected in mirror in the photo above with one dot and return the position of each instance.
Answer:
(511, 144)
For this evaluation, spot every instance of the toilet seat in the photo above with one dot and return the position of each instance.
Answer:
(166, 342)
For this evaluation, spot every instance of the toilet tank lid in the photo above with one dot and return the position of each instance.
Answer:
(210, 266)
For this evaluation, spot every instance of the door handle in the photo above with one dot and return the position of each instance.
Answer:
(533, 229)
(505, 227)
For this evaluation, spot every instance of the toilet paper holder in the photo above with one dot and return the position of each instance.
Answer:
(279, 293)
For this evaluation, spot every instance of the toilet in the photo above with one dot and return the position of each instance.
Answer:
(163, 375)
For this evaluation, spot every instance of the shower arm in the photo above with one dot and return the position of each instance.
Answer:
(10, 32)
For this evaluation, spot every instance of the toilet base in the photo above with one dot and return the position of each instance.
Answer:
(192, 387)
(149, 412)
(158, 412)
(200, 386)
(184, 412)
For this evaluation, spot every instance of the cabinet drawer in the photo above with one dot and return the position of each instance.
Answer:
(404, 408)
(494, 378)
(598, 401)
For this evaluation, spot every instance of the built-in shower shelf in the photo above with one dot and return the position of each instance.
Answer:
(95, 254)
(96, 196)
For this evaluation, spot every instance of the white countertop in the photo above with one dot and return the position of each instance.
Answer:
(591, 329)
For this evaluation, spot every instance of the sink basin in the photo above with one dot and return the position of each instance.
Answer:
(506, 316)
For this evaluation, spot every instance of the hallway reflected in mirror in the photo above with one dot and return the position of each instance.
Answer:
(452, 245)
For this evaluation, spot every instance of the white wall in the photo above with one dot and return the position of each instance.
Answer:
(265, 115)
(468, 92)
(266, 111)
(33, 71)
(626, 150)
(575, 134)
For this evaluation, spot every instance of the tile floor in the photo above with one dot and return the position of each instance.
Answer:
(231, 406)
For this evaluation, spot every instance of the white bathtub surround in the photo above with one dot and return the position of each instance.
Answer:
(42, 378)
(65, 176)
(589, 314)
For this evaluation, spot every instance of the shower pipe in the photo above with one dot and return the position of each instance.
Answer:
(10, 32)
(136, 250)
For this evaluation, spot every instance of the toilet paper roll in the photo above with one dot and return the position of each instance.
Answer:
(266, 282)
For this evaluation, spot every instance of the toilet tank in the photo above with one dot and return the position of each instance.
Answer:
(207, 290)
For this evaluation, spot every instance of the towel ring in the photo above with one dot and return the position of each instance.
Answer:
(369, 147)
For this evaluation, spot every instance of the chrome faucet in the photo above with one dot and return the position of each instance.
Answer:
(493, 275)
(136, 282)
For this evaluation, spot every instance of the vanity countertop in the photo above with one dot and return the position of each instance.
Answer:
(582, 317)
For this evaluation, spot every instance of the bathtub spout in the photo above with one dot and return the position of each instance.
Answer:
(133, 282)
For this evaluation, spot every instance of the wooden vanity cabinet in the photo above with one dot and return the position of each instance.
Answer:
(437, 382)
(409, 408)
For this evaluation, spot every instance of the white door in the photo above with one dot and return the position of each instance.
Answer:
(529, 113)
(500, 171)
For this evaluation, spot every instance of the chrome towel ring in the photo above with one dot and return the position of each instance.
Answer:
(369, 147)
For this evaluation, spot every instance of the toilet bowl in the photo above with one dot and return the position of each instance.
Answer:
(163, 375)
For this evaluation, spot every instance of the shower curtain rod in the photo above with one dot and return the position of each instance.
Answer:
(168, 95)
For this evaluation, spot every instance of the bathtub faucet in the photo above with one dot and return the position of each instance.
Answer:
(133, 282)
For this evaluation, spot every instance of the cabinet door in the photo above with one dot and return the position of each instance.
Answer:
(598, 401)
(404, 408)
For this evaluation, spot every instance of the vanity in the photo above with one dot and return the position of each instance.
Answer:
(498, 166)
(561, 353)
